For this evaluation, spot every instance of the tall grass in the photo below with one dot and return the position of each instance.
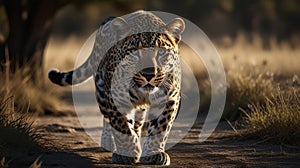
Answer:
(278, 118)
(262, 104)
(245, 88)
(267, 107)
(17, 134)
(39, 100)
(16, 130)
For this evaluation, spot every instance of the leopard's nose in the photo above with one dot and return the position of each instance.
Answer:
(148, 73)
(149, 76)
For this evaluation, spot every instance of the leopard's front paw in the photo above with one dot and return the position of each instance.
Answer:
(161, 158)
(121, 159)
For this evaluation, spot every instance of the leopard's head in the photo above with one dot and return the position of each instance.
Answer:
(153, 66)
(152, 56)
(145, 58)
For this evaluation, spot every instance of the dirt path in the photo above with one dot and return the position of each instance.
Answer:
(79, 150)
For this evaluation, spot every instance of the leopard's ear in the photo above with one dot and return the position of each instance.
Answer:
(121, 27)
(176, 27)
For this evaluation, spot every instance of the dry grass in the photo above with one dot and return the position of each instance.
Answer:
(17, 132)
(278, 119)
(3, 163)
(39, 100)
(35, 164)
(254, 76)
(245, 88)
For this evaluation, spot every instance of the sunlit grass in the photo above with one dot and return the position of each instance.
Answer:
(266, 108)
(278, 119)
(39, 100)
(245, 88)
(17, 110)
(16, 128)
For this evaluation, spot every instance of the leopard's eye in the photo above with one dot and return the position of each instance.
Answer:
(133, 56)
(162, 55)
(161, 51)
(134, 51)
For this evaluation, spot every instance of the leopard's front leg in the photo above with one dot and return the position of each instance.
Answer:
(127, 144)
(126, 141)
(154, 147)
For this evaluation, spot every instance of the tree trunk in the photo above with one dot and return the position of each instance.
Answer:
(29, 29)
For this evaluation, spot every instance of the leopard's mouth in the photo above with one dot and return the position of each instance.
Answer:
(145, 85)
(148, 78)
(149, 87)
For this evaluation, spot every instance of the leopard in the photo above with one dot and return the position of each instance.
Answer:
(135, 64)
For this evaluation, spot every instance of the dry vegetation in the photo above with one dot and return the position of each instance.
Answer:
(16, 130)
(245, 88)
(38, 100)
(20, 103)
(263, 88)
(277, 119)
(268, 109)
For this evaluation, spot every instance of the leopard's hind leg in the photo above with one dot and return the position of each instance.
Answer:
(107, 139)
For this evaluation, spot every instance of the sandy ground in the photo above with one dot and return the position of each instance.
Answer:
(74, 148)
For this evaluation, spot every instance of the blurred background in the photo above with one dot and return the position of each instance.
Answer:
(28, 27)
(217, 18)
(245, 33)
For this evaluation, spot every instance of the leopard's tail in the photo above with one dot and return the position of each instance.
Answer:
(78, 75)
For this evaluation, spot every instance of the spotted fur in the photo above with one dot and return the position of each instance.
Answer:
(137, 74)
